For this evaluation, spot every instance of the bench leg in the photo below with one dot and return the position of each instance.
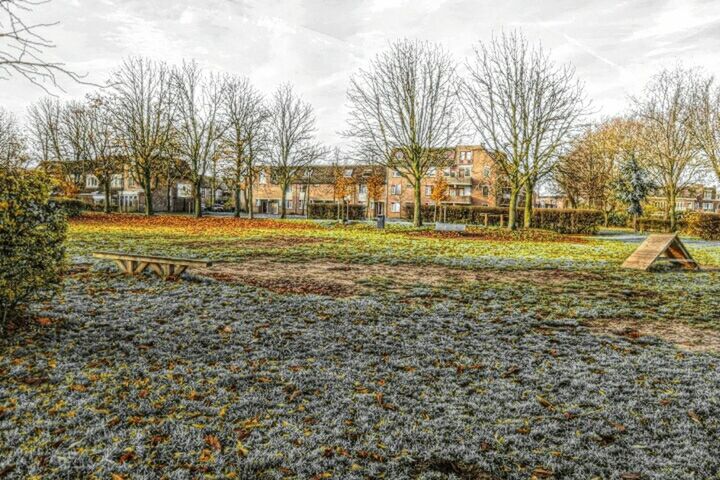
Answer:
(121, 265)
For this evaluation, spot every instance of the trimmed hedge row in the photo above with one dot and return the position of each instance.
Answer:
(703, 225)
(329, 211)
(71, 206)
(567, 221)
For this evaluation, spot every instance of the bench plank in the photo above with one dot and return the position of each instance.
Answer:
(188, 262)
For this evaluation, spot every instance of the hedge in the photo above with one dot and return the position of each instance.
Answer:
(329, 211)
(568, 221)
(703, 225)
(72, 206)
(32, 232)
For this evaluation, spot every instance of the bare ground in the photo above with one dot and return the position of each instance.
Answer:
(686, 337)
(340, 279)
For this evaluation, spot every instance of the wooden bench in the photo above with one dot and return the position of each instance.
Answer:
(165, 267)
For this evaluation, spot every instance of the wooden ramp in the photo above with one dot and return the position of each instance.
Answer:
(665, 247)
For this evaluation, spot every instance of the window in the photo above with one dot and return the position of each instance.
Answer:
(486, 172)
(395, 207)
(396, 174)
(466, 157)
(262, 179)
(91, 181)
(184, 190)
(288, 190)
(348, 173)
(465, 172)
(362, 189)
(131, 182)
(288, 203)
(707, 206)
(432, 171)
(708, 194)
(467, 191)
(428, 190)
(395, 189)
(117, 181)
(485, 191)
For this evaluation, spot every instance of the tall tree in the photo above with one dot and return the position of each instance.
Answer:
(103, 155)
(524, 107)
(144, 110)
(375, 186)
(705, 120)
(23, 47)
(13, 153)
(199, 124)
(292, 146)
(403, 111)
(588, 172)
(245, 139)
(665, 110)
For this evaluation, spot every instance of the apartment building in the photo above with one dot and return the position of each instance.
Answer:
(471, 177)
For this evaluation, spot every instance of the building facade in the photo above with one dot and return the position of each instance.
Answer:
(690, 199)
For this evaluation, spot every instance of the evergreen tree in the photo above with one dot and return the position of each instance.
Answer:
(633, 186)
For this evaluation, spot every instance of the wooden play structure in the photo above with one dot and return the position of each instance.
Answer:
(661, 248)
(166, 267)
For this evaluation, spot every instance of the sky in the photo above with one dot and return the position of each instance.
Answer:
(615, 46)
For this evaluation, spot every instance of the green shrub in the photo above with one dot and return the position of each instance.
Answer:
(653, 224)
(567, 221)
(703, 225)
(32, 231)
(72, 206)
(329, 211)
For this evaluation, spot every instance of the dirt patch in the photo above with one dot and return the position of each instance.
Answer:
(684, 336)
(340, 279)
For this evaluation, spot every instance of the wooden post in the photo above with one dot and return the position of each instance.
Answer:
(486, 220)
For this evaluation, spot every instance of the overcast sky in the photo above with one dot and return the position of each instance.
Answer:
(317, 44)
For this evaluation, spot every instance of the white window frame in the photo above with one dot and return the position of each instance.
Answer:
(395, 207)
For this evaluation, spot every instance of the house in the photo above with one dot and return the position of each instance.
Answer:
(315, 184)
(696, 197)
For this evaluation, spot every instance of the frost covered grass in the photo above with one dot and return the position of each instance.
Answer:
(499, 376)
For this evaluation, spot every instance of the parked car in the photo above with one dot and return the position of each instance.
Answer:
(218, 207)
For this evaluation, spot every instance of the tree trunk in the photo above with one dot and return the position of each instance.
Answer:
(635, 222)
(238, 193)
(249, 201)
(435, 213)
(283, 196)
(417, 193)
(512, 223)
(147, 187)
(107, 196)
(198, 198)
(528, 211)
(606, 218)
(168, 196)
(673, 212)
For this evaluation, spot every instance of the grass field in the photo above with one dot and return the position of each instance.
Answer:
(320, 351)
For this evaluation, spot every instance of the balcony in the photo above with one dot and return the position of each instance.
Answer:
(465, 180)
(458, 200)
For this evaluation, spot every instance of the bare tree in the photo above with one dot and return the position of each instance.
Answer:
(44, 125)
(705, 120)
(245, 139)
(104, 159)
(525, 108)
(403, 111)
(22, 47)
(144, 112)
(199, 125)
(13, 152)
(292, 146)
(665, 110)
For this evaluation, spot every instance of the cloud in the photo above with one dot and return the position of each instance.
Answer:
(317, 44)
